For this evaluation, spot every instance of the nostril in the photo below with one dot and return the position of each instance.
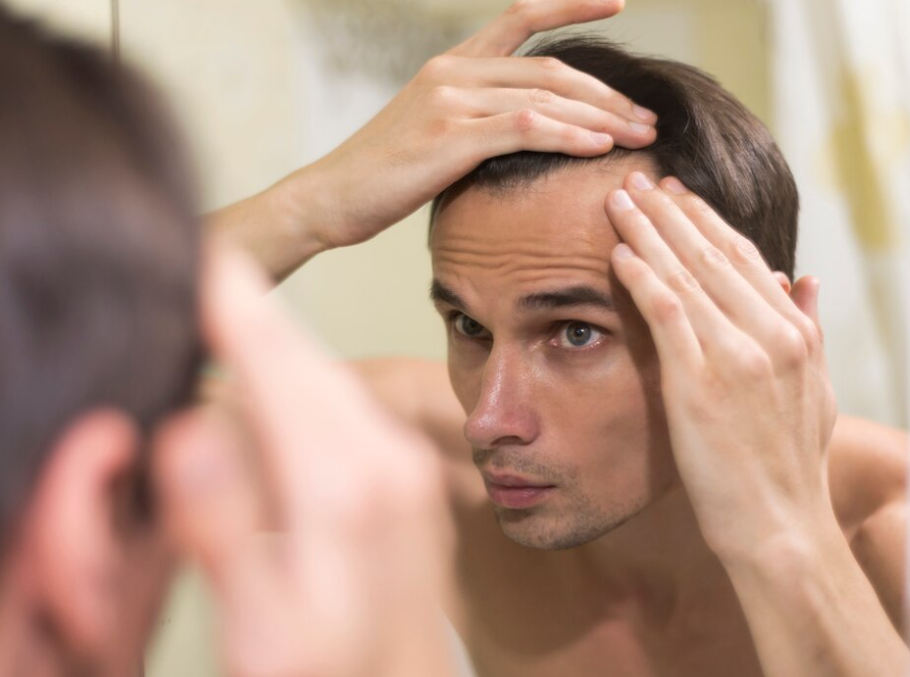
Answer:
(507, 441)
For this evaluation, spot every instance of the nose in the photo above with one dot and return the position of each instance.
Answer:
(504, 413)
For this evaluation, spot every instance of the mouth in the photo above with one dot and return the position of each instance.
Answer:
(512, 491)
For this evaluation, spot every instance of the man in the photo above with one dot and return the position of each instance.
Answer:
(648, 409)
(107, 479)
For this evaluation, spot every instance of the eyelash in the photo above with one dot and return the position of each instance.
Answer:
(556, 334)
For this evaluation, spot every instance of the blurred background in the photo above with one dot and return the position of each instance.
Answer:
(265, 86)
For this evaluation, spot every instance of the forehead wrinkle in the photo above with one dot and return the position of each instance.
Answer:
(572, 235)
(537, 264)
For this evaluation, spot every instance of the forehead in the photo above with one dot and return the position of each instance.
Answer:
(553, 231)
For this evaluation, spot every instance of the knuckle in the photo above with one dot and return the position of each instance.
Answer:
(526, 120)
(667, 308)
(542, 97)
(745, 249)
(682, 281)
(752, 361)
(571, 135)
(436, 68)
(713, 257)
(791, 346)
(550, 64)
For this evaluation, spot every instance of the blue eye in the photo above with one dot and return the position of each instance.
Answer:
(578, 335)
(467, 326)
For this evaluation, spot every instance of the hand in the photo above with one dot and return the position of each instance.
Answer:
(470, 104)
(347, 584)
(749, 404)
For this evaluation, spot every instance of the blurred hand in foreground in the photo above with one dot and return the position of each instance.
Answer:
(321, 529)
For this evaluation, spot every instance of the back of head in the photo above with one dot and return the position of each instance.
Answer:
(706, 138)
(99, 250)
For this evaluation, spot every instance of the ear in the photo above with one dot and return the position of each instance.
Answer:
(783, 281)
(70, 539)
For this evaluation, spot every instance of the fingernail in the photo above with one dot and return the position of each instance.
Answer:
(643, 113)
(601, 139)
(623, 251)
(640, 127)
(641, 182)
(675, 186)
(622, 201)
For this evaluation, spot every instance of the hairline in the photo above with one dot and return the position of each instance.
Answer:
(517, 184)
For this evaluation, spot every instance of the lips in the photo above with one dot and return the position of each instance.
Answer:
(511, 491)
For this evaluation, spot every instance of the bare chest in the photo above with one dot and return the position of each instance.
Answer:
(524, 627)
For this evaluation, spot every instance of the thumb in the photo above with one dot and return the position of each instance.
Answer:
(805, 296)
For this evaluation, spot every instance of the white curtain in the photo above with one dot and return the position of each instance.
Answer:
(842, 115)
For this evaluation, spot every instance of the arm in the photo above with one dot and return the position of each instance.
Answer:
(868, 472)
(751, 411)
(470, 104)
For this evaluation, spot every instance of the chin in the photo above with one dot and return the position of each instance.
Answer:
(542, 531)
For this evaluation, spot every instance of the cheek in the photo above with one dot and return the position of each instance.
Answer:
(604, 401)
(612, 424)
(465, 381)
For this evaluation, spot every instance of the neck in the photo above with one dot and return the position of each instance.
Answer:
(658, 559)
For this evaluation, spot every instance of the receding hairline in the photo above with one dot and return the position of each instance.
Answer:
(504, 189)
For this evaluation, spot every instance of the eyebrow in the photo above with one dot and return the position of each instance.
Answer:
(568, 298)
(571, 297)
(439, 293)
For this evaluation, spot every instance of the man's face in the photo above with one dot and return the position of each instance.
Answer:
(549, 357)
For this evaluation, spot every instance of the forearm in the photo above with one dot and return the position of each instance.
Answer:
(813, 612)
(282, 227)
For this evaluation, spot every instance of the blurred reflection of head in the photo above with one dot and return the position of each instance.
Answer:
(99, 254)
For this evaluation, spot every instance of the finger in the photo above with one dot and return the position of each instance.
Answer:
(783, 281)
(805, 296)
(743, 253)
(210, 510)
(727, 288)
(673, 335)
(708, 320)
(527, 129)
(207, 502)
(283, 375)
(546, 73)
(524, 18)
(489, 102)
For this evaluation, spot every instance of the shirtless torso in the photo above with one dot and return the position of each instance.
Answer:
(538, 613)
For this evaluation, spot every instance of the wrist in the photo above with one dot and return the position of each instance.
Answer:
(787, 556)
(305, 207)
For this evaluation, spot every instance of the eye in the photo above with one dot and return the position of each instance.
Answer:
(467, 326)
(578, 335)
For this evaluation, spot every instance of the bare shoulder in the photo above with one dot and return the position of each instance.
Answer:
(419, 392)
(868, 471)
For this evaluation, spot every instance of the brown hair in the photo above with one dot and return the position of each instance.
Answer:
(99, 251)
(706, 138)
